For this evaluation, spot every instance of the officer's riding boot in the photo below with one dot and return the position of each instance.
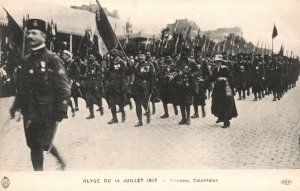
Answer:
(196, 114)
(119, 110)
(91, 116)
(138, 109)
(153, 108)
(244, 94)
(101, 107)
(259, 94)
(130, 104)
(148, 114)
(114, 115)
(76, 103)
(166, 114)
(183, 115)
(203, 111)
(37, 159)
(175, 109)
(255, 96)
(274, 96)
(72, 108)
(248, 92)
(279, 95)
(123, 113)
(240, 95)
(188, 114)
(60, 161)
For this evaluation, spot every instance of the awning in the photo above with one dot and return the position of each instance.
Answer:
(68, 20)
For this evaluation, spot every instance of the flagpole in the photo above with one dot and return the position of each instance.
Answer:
(272, 48)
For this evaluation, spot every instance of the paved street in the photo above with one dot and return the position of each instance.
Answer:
(265, 135)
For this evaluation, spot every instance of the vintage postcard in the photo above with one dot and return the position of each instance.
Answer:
(149, 95)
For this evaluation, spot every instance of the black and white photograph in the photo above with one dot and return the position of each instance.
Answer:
(113, 94)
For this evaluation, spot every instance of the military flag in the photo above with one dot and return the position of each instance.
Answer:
(281, 51)
(224, 45)
(16, 34)
(105, 30)
(275, 32)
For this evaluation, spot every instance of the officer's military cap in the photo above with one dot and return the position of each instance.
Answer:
(36, 24)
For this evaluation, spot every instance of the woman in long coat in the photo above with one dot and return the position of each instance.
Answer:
(223, 104)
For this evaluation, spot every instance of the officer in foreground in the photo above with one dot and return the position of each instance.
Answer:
(43, 93)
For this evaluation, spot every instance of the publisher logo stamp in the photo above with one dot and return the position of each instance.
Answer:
(286, 182)
(5, 182)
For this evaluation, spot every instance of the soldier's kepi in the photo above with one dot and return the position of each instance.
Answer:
(43, 93)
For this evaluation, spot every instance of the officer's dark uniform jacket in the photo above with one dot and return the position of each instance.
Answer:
(116, 85)
(166, 85)
(42, 86)
(43, 90)
(257, 76)
(202, 81)
(240, 76)
(73, 74)
(93, 78)
(187, 71)
(144, 80)
(275, 72)
(72, 70)
(155, 92)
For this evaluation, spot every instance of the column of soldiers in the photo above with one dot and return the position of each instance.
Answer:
(264, 74)
(181, 81)
(48, 84)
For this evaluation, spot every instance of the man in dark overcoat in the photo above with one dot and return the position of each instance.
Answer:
(43, 93)
(142, 87)
(116, 85)
(93, 84)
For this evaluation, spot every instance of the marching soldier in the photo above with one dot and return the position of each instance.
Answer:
(240, 78)
(43, 95)
(154, 96)
(93, 84)
(275, 73)
(186, 86)
(257, 77)
(142, 87)
(202, 78)
(116, 86)
(166, 85)
(73, 75)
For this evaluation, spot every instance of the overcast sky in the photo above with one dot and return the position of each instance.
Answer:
(255, 17)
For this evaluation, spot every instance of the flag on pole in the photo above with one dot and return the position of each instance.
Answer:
(176, 45)
(224, 45)
(15, 35)
(275, 32)
(203, 46)
(281, 51)
(105, 30)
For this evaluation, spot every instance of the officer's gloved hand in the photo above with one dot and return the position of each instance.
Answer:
(59, 115)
